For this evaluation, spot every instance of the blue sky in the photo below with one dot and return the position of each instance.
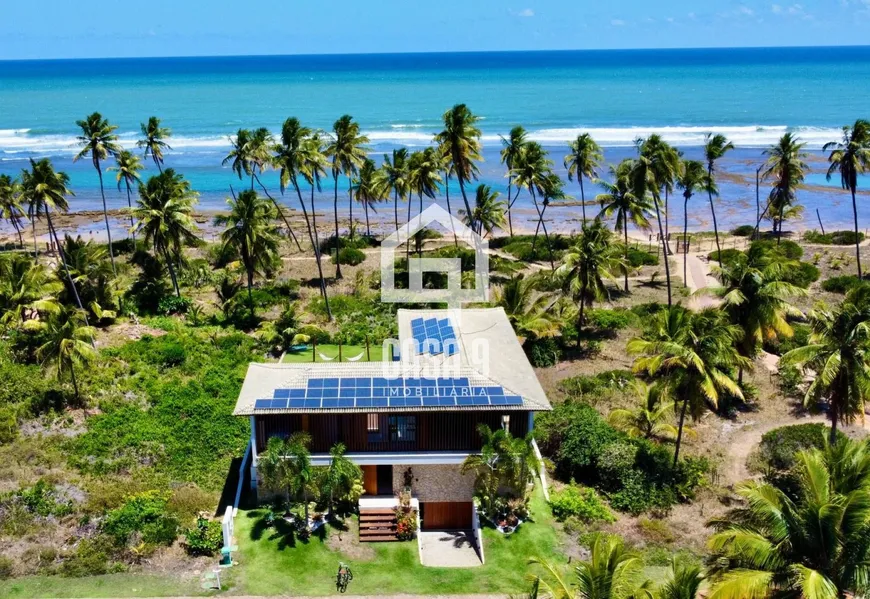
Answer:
(87, 28)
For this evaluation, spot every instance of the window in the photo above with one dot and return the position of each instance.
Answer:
(373, 425)
(403, 428)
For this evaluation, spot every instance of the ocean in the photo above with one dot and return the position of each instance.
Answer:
(751, 95)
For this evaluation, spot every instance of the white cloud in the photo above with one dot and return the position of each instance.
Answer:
(745, 10)
(793, 10)
(617, 22)
(526, 12)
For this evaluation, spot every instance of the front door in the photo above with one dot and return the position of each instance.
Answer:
(370, 480)
(385, 480)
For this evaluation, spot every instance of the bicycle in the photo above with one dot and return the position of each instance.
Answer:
(343, 577)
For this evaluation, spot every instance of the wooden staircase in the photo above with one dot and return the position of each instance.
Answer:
(377, 525)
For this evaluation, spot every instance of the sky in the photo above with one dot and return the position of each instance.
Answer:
(118, 28)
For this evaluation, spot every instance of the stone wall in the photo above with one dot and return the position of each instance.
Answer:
(441, 482)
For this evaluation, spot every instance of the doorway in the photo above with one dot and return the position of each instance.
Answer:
(385, 480)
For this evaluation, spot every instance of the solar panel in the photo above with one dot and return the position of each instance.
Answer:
(262, 404)
(514, 400)
(282, 393)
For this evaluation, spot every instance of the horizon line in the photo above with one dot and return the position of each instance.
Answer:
(438, 52)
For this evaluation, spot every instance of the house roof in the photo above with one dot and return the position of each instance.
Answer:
(488, 355)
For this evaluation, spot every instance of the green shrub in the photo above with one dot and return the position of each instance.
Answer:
(543, 353)
(841, 284)
(743, 231)
(614, 461)
(574, 435)
(91, 557)
(785, 248)
(638, 257)
(778, 447)
(579, 502)
(351, 256)
(315, 333)
(7, 567)
(637, 496)
(611, 320)
(8, 424)
(143, 513)
(728, 256)
(597, 386)
(783, 345)
(172, 304)
(833, 238)
(790, 379)
(803, 276)
(206, 538)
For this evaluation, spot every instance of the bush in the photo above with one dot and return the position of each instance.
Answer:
(638, 257)
(172, 304)
(143, 513)
(206, 538)
(315, 334)
(833, 238)
(783, 345)
(842, 284)
(729, 256)
(778, 447)
(579, 502)
(92, 557)
(611, 320)
(803, 276)
(543, 353)
(786, 248)
(7, 567)
(351, 256)
(743, 231)
(595, 387)
(574, 435)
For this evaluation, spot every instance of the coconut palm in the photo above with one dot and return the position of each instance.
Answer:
(258, 153)
(424, 178)
(341, 474)
(10, 205)
(511, 147)
(691, 178)
(851, 157)
(693, 354)
(588, 264)
(239, 157)
(154, 140)
(529, 311)
(786, 168)
(756, 298)
(551, 189)
(67, 344)
(396, 177)
(314, 166)
(294, 159)
(664, 165)
(128, 167)
(650, 418)
(612, 572)
(250, 231)
(163, 214)
(369, 188)
(583, 160)
(488, 213)
(683, 582)
(812, 541)
(91, 273)
(643, 182)
(460, 141)
(715, 147)
(619, 199)
(99, 141)
(347, 152)
(488, 466)
(531, 169)
(26, 288)
(838, 353)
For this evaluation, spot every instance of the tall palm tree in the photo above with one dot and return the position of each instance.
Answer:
(588, 264)
(756, 299)
(91, 272)
(786, 168)
(369, 188)
(531, 169)
(528, 311)
(340, 474)
(691, 178)
(851, 157)
(68, 343)
(99, 141)
(26, 288)
(838, 353)
(250, 231)
(460, 140)
(715, 147)
(163, 215)
(551, 189)
(489, 211)
(239, 157)
(511, 147)
(424, 178)
(154, 140)
(693, 354)
(808, 542)
(292, 160)
(583, 160)
(643, 182)
(487, 466)
(44, 190)
(10, 205)
(128, 167)
(396, 176)
(347, 152)
(612, 572)
(619, 199)
(664, 165)
(314, 166)
(650, 418)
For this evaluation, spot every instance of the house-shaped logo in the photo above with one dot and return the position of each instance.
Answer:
(454, 295)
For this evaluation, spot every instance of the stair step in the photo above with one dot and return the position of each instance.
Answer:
(377, 527)
(384, 518)
(378, 539)
(377, 511)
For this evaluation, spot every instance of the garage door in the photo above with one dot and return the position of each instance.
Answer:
(446, 515)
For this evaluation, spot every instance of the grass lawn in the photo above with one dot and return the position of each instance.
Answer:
(110, 585)
(331, 351)
(272, 566)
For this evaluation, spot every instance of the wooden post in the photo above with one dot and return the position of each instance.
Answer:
(339, 351)
(314, 350)
(368, 350)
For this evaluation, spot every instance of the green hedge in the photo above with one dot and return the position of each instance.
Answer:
(728, 256)
(579, 502)
(638, 257)
(743, 231)
(841, 284)
(351, 256)
(833, 238)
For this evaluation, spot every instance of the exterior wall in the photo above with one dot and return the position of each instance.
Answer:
(441, 482)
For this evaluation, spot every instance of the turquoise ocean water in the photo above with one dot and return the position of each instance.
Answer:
(751, 95)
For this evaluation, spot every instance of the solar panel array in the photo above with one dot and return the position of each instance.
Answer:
(435, 336)
(378, 392)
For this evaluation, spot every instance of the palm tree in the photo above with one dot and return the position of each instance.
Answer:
(583, 160)
(128, 167)
(691, 179)
(347, 153)
(424, 178)
(44, 189)
(396, 177)
(612, 572)
(460, 140)
(10, 204)
(587, 265)
(91, 273)
(369, 187)
(619, 199)
(99, 142)
(808, 542)
(26, 288)
(314, 165)
(715, 147)
(239, 157)
(664, 165)
(531, 169)
(258, 154)
(153, 141)
(341, 473)
(684, 581)
(756, 299)
(551, 189)
(693, 354)
(528, 311)
(163, 214)
(851, 157)
(838, 353)
(251, 232)
(68, 343)
(293, 160)
(511, 148)
(487, 466)
(650, 418)
(786, 167)
(643, 182)
(489, 211)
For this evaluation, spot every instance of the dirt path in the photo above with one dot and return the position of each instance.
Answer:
(357, 597)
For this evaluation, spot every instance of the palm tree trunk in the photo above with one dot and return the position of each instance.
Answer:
(712, 207)
(130, 206)
(281, 214)
(680, 430)
(35, 245)
(685, 237)
(664, 250)
(420, 232)
(583, 205)
(580, 315)
(172, 273)
(337, 239)
(667, 226)
(510, 220)
(368, 228)
(857, 244)
(18, 230)
(105, 214)
(779, 225)
(544, 226)
(449, 211)
(832, 439)
(72, 375)
(625, 267)
(314, 245)
(53, 233)
(465, 199)
(350, 204)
